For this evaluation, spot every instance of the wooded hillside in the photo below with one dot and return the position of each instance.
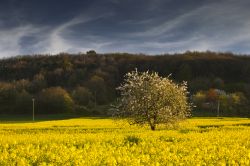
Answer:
(80, 82)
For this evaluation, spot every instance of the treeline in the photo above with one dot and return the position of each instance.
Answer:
(79, 83)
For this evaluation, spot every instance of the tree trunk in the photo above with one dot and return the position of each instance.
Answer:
(152, 127)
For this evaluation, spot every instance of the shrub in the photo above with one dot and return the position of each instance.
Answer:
(54, 100)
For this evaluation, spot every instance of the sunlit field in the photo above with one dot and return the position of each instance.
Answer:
(97, 141)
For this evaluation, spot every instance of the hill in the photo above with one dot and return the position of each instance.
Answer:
(80, 82)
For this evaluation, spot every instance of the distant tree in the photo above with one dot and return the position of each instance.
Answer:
(212, 95)
(97, 86)
(82, 96)
(239, 103)
(56, 77)
(147, 98)
(198, 84)
(22, 84)
(23, 102)
(54, 100)
(218, 83)
(199, 98)
(38, 83)
(7, 97)
(184, 73)
(228, 104)
(91, 52)
(66, 62)
(77, 77)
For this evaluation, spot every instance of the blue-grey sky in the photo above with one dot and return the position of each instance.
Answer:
(135, 26)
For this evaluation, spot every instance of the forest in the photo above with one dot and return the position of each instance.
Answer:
(85, 83)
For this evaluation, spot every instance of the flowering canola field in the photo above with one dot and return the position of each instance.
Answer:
(93, 141)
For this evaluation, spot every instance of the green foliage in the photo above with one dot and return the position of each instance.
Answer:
(229, 104)
(102, 73)
(147, 98)
(38, 83)
(132, 140)
(98, 88)
(54, 100)
(14, 99)
(7, 97)
(91, 52)
(23, 103)
(184, 73)
(82, 96)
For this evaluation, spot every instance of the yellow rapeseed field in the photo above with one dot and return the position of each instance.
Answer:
(93, 141)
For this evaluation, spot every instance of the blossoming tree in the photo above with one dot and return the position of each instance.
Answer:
(147, 98)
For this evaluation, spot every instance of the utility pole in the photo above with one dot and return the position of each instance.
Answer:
(33, 106)
(218, 108)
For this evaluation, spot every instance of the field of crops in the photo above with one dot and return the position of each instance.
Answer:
(93, 141)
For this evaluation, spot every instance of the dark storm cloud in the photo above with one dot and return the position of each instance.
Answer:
(148, 26)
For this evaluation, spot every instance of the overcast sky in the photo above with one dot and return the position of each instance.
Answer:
(135, 26)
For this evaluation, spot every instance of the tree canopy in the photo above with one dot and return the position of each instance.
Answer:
(100, 74)
(147, 98)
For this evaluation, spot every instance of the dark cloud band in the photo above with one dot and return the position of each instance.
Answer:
(141, 26)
